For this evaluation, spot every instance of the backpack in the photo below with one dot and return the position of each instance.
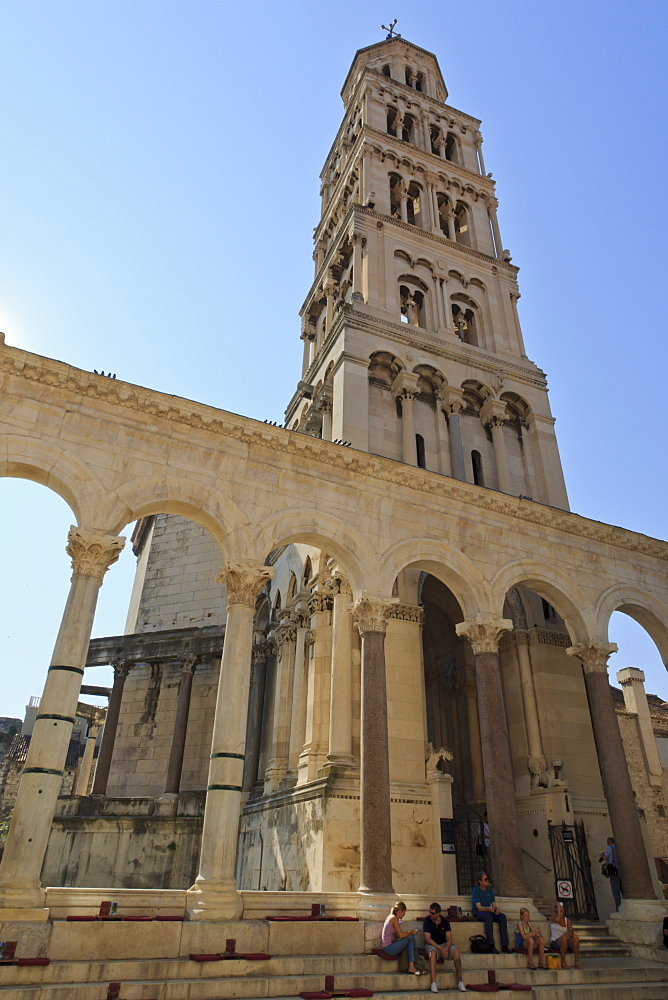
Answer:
(480, 945)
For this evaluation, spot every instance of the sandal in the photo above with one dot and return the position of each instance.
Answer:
(532, 967)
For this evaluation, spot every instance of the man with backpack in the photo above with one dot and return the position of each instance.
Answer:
(486, 909)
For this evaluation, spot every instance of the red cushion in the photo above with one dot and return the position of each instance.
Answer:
(255, 956)
(483, 988)
(205, 958)
(316, 996)
(33, 961)
(168, 918)
(516, 987)
(360, 993)
(81, 918)
(137, 918)
(381, 954)
(348, 918)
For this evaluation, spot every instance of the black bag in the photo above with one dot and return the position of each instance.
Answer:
(480, 945)
(607, 870)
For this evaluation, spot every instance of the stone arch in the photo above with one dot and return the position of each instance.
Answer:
(59, 470)
(451, 567)
(640, 606)
(554, 586)
(323, 531)
(219, 515)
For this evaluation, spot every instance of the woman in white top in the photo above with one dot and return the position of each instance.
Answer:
(563, 937)
(395, 939)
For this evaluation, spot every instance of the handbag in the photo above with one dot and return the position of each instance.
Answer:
(552, 962)
(480, 945)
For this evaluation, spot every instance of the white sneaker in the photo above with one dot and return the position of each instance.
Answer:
(434, 988)
(461, 987)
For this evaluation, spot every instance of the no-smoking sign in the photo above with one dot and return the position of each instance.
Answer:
(564, 888)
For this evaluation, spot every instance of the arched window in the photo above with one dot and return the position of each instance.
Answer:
(308, 572)
(462, 229)
(419, 448)
(451, 148)
(445, 216)
(412, 305)
(464, 321)
(408, 76)
(407, 128)
(476, 462)
(396, 187)
(386, 71)
(392, 121)
(419, 82)
(414, 205)
(435, 137)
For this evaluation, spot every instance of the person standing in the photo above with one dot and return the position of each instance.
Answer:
(438, 941)
(609, 856)
(486, 908)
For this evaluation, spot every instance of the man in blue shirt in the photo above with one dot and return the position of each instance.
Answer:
(485, 908)
(609, 855)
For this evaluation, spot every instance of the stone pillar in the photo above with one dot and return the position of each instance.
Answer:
(635, 699)
(316, 736)
(329, 289)
(214, 895)
(427, 134)
(308, 339)
(491, 210)
(438, 299)
(434, 209)
(483, 632)
(450, 224)
(341, 697)
(453, 404)
(614, 772)
(285, 639)
(493, 413)
(470, 690)
(405, 388)
(121, 671)
(358, 242)
(370, 616)
(440, 792)
(83, 778)
(21, 894)
(175, 764)
(299, 690)
(537, 761)
(442, 436)
(325, 407)
(255, 706)
(478, 144)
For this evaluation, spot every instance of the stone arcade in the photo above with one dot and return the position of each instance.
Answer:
(377, 605)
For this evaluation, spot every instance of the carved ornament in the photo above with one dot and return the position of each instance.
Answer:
(92, 553)
(484, 631)
(370, 613)
(407, 613)
(244, 581)
(594, 655)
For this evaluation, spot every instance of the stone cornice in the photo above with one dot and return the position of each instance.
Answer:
(253, 433)
(420, 339)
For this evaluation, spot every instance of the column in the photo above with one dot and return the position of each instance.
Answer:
(438, 299)
(299, 689)
(453, 404)
(434, 210)
(483, 632)
(175, 764)
(493, 414)
(255, 707)
(469, 688)
(285, 638)
(632, 681)
(83, 777)
(375, 824)
(324, 406)
(405, 388)
(614, 772)
(481, 162)
(316, 736)
(403, 205)
(358, 242)
(21, 894)
(491, 210)
(450, 223)
(214, 895)
(427, 134)
(308, 339)
(442, 437)
(329, 289)
(341, 697)
(121, 671)
(537, 762)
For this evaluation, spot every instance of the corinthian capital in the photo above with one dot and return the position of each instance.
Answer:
(594, 655)
(484, 631)
(370, 613)
(244, 581)
(452, 399)
(493, 412)
(405, 385)
(92, 553)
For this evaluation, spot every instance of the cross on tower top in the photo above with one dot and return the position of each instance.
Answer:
(390, 30)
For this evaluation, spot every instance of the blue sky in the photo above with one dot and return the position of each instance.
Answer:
(159, 187)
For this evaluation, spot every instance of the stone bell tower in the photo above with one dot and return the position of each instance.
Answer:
(412, 342)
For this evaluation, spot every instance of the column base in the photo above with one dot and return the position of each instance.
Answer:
(214, 901)
(374, 905)
(638, 922)
(27, 914)
(23, 903)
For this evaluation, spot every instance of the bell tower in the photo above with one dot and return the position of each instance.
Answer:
(412, 342)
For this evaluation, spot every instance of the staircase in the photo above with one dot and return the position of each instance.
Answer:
(597, 942)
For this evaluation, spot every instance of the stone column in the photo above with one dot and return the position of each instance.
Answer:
(450, 224)
(438, 299)
(483, 632)
(442, 436)
(434, 209)
(453, 403)
(255, 706)
(175, 764)
(491, 210)
(341, 697)
(358, 242)
(427, 134)
(481, 162)
(632, 681)
(121, 671)
(325, 407)
(308, 339)
(21, 894)
(370, 616)
(614, 772)
(493, 413)
(405, 388)
(329, 289)
(470, 690)
(285, 640)
(299, 689)
(537, 761)
(83, 777)
(214, 895)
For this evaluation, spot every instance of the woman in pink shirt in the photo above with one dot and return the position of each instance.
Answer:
(395, 939)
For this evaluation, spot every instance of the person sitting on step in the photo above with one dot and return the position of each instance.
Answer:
(486, 909)
(563, 937)
(528, 938)
(438, 941)
(395, 939)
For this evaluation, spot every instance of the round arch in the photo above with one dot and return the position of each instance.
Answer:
(323, 531)
(639, 605)
(451, 567)
(556, 587)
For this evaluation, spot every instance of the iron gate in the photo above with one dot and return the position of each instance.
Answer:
(471, 854)
(570, 859)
